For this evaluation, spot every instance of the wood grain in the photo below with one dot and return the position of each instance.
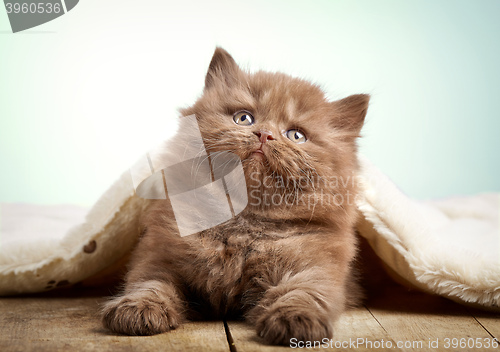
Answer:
(353, 325)
(425, 322)
(69, 320)
(73, 324)
(489, 321)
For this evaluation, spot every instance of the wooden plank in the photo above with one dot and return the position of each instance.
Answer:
(70, 321)
(490, 321)
(46, 323)
(245, 338)
(425, 322)
(352, 331)
(363, 332)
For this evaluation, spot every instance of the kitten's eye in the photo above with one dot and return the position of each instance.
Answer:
(296, 136)
(243, 118)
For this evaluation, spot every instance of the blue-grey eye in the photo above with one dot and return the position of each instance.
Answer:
(296, 136)
(243, 118)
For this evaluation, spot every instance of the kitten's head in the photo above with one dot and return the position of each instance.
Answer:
(290, 138)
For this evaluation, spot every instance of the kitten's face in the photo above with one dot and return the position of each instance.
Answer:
(281, 127)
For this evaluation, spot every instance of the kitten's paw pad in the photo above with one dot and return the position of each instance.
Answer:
(281, 325)
(139, 316)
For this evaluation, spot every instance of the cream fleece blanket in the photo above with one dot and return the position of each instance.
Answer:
(449, 247)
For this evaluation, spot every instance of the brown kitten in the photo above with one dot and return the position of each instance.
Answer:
(285, 262)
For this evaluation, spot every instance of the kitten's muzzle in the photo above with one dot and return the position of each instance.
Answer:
(264, 135)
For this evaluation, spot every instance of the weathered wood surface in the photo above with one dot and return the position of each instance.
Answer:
(69, 321)
(55, 323)
(357, 323)
(421, 322)
(398, 320)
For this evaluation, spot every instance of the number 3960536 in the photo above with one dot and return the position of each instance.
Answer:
(40, 7)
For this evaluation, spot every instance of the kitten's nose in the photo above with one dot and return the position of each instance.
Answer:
(264, 135)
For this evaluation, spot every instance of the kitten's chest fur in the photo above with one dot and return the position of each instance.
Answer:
(227, 261)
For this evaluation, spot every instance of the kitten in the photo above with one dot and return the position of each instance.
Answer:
(285, 262)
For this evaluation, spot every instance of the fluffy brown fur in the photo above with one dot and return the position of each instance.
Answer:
(285, 266)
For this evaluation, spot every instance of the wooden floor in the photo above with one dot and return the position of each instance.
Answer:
(396, 320)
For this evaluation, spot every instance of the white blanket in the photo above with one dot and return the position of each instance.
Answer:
(449, 247)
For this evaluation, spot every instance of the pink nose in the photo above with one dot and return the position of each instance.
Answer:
(264, 135)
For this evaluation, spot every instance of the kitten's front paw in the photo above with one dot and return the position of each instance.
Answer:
(279, 324)
(139, 313)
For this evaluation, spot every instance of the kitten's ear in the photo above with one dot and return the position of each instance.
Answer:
(350, 113)
(222, 69)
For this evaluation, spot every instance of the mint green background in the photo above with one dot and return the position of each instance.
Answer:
(83, 96)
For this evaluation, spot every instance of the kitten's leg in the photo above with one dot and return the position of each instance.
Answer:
(153, 301)
(146, 308)
(302, 305)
